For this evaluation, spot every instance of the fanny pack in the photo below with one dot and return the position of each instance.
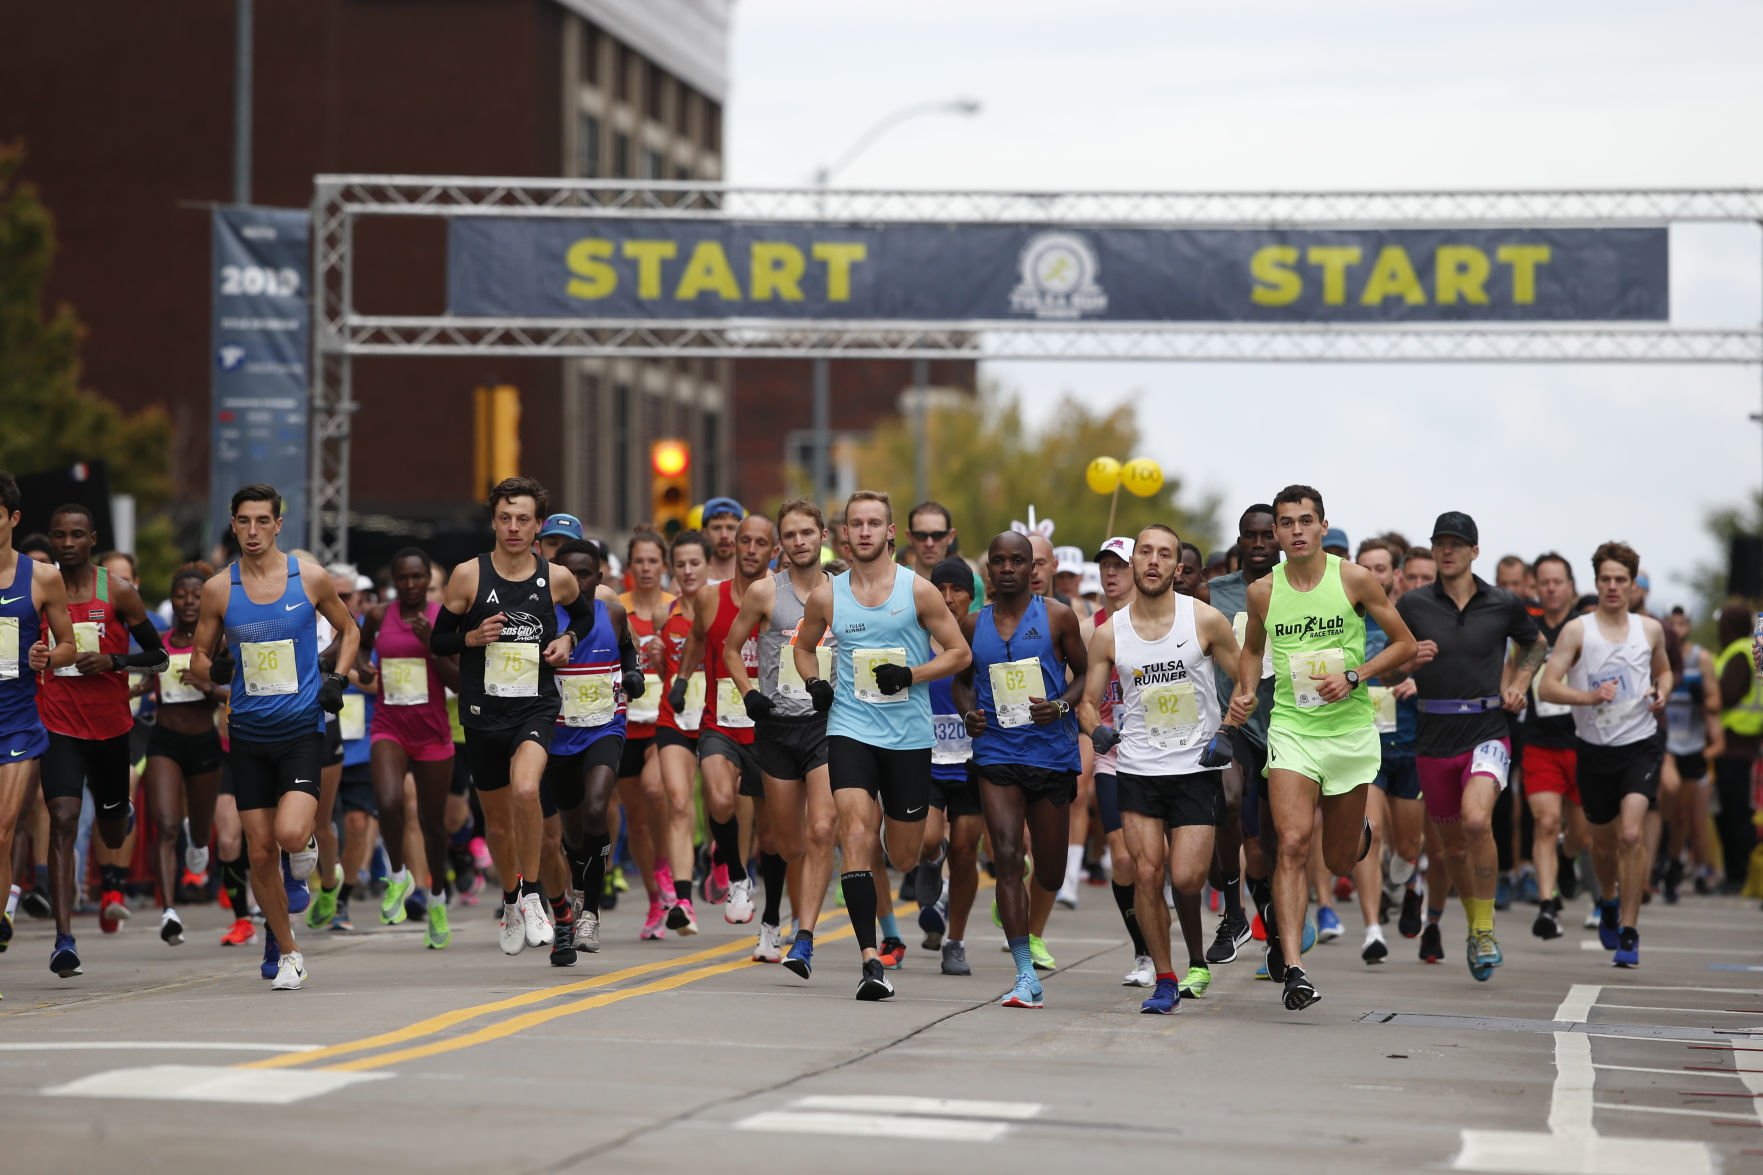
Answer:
(1458, 705)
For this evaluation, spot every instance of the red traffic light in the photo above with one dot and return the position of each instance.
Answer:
(670, 458)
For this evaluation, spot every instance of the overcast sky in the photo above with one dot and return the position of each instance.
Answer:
(1348, 94)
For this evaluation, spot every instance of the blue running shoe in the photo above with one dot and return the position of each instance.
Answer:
(1484, 955)
(800, 961)
(1609, 930)
(1503, 893)
(272, 955)
(299, 895)
(1026, 994)
(1527, 889)
(932, 919)
(1310, 933)
(1628, 950)
(1328, 925)
(1165, 1001)
(65, 961)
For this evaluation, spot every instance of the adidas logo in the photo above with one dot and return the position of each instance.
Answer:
(1032, 634)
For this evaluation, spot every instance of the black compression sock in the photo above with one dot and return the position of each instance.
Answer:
(727, 835)
(1123, 895)
(806, 936)
(232, 879)
(510, 897)
(527, 887)
(772, 869)
(682, 890)
(594, 852)
(1232, 889)
(1261, 892)
(344, 894)
(859, 888)
(113, 877)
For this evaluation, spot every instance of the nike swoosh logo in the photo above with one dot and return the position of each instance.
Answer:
(291, 607)
(10, 600)
(110, 807)
(911, 811)
(15, 754)
(532, 734)
(300, 781)
(895, 611)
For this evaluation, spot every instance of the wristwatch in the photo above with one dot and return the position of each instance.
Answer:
(116, 662)
(1064, 706)
(1352, 677)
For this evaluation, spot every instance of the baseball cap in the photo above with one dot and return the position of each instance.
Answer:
(953, 572)
(719, 506)
(1457, 525)
(1091, 582)
(1069, 560)
(1336, 537)
(1641, 581)
(1119, 546)
(567, 525)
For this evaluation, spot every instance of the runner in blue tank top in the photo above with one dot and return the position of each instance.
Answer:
(879, 727)
(266, 607)
(1016, 699)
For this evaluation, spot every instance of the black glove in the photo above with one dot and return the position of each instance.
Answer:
(759, 707)
(821, 690)
(1219, 752)
(891, 678)
(220, 669)
(1104, 739)
(633, 684)
(676, 697)
(330, 693)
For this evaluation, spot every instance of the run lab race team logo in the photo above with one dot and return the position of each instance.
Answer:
(1314, 628)
(1058, 278)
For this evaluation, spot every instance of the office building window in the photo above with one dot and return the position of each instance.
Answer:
(653, 167)
(591, 42)
(621, 155)
(655, 94)
(590, 147)
(710, 460)
(683, 98)
(622, 440)
(713, 126)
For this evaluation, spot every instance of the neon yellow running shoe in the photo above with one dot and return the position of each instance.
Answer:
(1037, 951)
(324, 902)
(392, 905)
(439, 933)
(1195, 983)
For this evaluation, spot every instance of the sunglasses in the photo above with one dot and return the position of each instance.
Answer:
(930, 536)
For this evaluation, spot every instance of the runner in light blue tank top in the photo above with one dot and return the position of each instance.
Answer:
(899, 722)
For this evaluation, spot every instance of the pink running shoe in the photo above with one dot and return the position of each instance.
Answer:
(480, 853)
(472, 890)
(654, 928)
(682, 919)
(716, 889)
(664, 883)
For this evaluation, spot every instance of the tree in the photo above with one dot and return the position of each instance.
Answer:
(988, 467)
(1708, 580)
(50, 420)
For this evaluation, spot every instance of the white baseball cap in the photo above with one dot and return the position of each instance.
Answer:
(1091, 583)
(1119, 546)
(1070, 560)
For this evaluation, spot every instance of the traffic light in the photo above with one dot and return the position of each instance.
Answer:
(670, 468)
(496, 454)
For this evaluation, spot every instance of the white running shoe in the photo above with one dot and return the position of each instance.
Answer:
(1067, 895)
(513, 929)
(171, 927)
(738, 908)
(196, 860)
(1591, 917)
(302, 863)
(766, 951)
(538, 921)
(290, 973)
(587, 931)
(1143, 973)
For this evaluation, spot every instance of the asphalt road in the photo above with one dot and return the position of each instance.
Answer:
(659, 1056)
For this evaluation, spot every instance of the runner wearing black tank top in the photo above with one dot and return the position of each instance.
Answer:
(508, 700)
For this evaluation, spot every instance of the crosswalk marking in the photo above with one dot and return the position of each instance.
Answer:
(893, 1116)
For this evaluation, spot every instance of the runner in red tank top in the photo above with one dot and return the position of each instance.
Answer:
(640, 793)
(676, 732)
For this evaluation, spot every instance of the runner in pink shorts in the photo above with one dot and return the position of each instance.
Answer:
(411, 733)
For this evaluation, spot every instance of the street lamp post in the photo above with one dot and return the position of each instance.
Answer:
(966, 107)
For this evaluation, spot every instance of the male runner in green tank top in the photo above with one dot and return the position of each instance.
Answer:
(1322, 736)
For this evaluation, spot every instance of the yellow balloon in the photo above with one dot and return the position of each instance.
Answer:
(695, 517)
(1142, 476)
(1103, 475)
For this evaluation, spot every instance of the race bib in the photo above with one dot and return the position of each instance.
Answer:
(1239, 624)
(1383, 708)
(404, 681)
(173, 689)
(1607, 715)
(952, 745)
(1680, 720)
(85, 640)
(1012, 683)
(352, 718)
(789, 682)
(1172, 714)
(589, 699)
(692, 713)
(269, 668)
(648, 707)
(1491, 758)
(8, 647)
(1307, 666)
(511, 669)
(1544, 709)
(863, 666)
(731, 711)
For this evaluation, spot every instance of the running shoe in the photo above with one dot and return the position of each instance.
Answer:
(1311, 933)
(1484, 954)
(439, 933)
(1143, 973)
(341, 923)
(1669, 883)
(765, 951)
(1628, 950)
(242, 933)
(299, 896)
(513, 929)
(290, 973)
(195, 865)
(392, 909)
(1503, 893)
(909, 885)
(955, 959)
(682, 919)
(893, 953)
(1026, 994)
(1432, 944)
(1375, 949)
(655, 925)
(874, 985)
(1195, 983)
(664, 879)
(1165, 1001)
(563, 953)
(1527, 887)
(302, 863)
(1232, 936)
(538, 926)
(1343, 888)
(35, 903)
(1067, 895)
(1299, 992)
(113, 911)
(1548, 922)
(171, 928)
(1609, 930)
(272, 955)
(480, 854)
(1566, 874)
(587, 932)
(933, 918)
(1043, 958)
(737, 910)
(1594, 918)
(1257, 928)
(471, 890)
(5, 932)
(1410, 923)
(1328, 924)
(716, 885)
(929, 882)
(800, 961)
(324, 903)
(65, 960)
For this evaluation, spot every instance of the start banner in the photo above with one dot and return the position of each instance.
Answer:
(969, 273)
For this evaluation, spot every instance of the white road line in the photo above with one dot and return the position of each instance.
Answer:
(1667, 1072)
(192, 1046)
(1751, 991)
(943, 1107)
(212, 1083)
(1739, 1117)
(1592, 944)
(1690, 1011)
(876, 1126)
(1578, 1004)
(1570, 1103)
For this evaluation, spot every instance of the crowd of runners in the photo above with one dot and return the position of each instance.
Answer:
(745, 714)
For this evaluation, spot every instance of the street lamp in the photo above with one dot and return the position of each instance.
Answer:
(966, 107)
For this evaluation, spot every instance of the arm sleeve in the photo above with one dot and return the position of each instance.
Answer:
(627, 653)
(448, 635)
(581, 619)
(152, 656)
